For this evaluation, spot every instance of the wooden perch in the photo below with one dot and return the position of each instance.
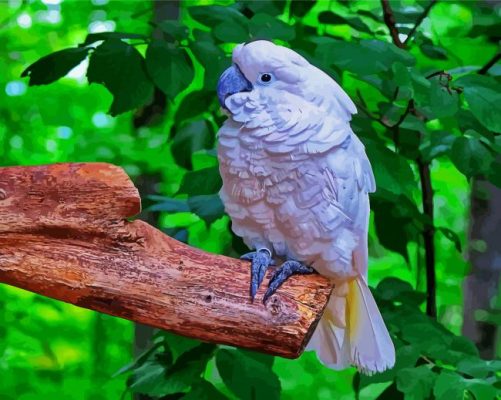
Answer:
(64, 234)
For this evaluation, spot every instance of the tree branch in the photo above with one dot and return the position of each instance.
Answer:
(428, 237)
(64, 234)
(419, 21)
(424, 171)
(389, 20)
(490, 64)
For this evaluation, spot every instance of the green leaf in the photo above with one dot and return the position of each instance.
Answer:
(483, 95)
(54, 66)
(329, 17)
(442, 102)
(177, 344)
(191, 137)
(392, 171)
(452, 236)
(448, 386)
(204, 390)
(370, 15)
(470, 156)
(231, 32)
(194, 104)
(401, 75)
(394, 289)
(246, 377)
(482, 389)
(417, 383)
(451, 386)
(429, 49)
(95, 37)
(273, 8)
(169, 67)
(477, 367)
(440, 143)
(353, 56)
(434, 52)
(178, 233)
(170, 205)
(432, 339)
(120, 68)
(392, 222)
(421, 87)
(207, 207)
(140, 360)
(148, 379)
(463, 345)
(215, 14)
(264, 26)
(213, 59)
(188, 368)
(154, 379)
(203, 181)
(174, 30)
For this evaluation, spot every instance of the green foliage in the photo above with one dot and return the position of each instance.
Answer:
(55, 65)
(170, 68)
(483, 95)
(425, 104)
(121, 69)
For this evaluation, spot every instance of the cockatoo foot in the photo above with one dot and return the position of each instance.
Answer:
(286, 270)
(260, 261)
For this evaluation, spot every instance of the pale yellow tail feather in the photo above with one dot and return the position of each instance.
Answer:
(362, 341)
(371, 348)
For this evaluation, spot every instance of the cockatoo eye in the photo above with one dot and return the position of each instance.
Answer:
(266, 78)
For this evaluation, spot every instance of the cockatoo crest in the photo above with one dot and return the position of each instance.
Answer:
(291, 73)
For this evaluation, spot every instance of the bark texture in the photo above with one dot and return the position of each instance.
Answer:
(481, 285)
(64, 234)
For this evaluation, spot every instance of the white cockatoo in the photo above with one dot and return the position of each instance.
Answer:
(295, 184)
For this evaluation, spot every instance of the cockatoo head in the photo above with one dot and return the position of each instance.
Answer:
(273, 73)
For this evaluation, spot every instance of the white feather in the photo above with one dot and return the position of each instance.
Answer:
(296, 180)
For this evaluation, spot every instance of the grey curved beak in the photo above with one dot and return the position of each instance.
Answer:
(232, 81)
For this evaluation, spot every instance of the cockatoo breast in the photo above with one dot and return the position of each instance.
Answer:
(292, 179)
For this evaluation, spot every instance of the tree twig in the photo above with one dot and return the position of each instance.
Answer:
(363, 106)
(424, 172)
(410, 106)
(490, 64)
(428, 237)
(389, 20)
(419, 21)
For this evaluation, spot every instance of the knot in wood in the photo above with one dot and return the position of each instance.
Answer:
(274, 305)
(3, 194)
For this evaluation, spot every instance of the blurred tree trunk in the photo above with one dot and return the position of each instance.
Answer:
(481, 285)
(146, 184)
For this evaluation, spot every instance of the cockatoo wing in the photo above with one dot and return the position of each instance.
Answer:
(352, 330)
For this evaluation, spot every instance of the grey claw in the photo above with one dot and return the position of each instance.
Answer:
(283, 273)
(260, 260)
